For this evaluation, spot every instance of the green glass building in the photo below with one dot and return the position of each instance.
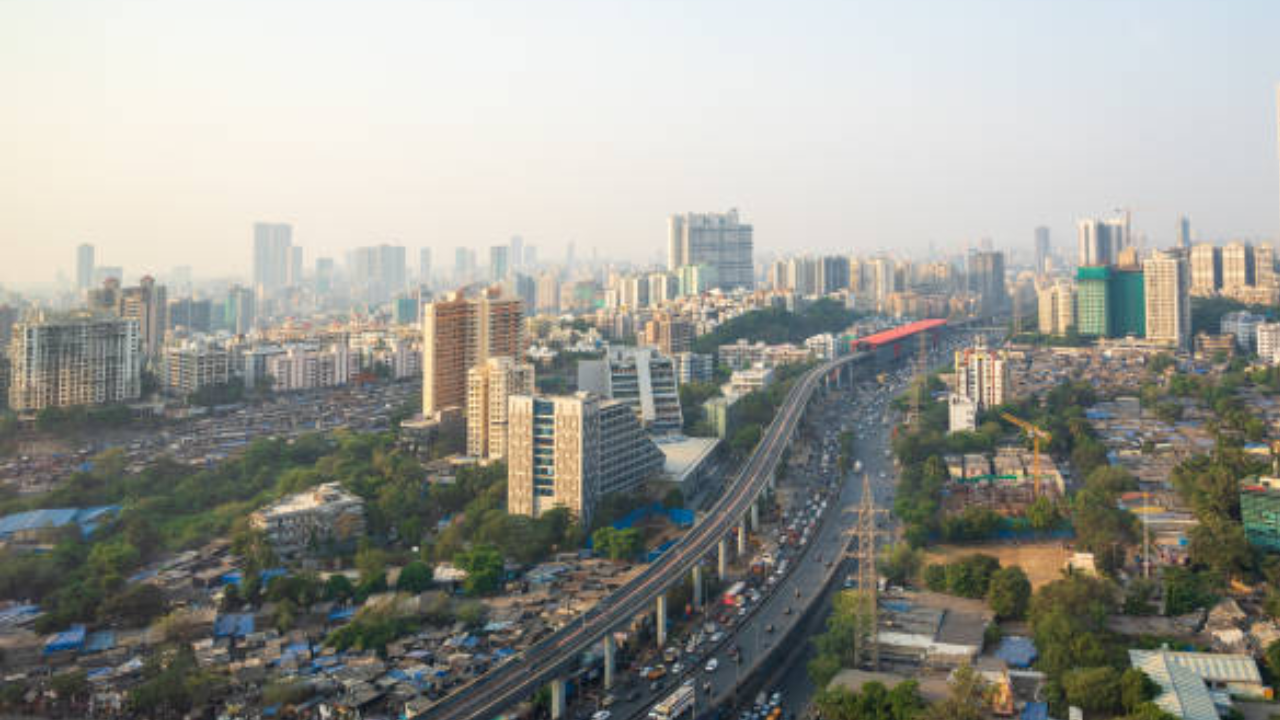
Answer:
(1260, 513)
(1110, 302)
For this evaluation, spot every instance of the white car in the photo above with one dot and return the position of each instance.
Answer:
(712, 664)
(601, 715)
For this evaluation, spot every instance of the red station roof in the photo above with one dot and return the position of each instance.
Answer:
(898, 333)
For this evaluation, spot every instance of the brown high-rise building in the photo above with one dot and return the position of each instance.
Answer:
(459, 333)
(670, 335)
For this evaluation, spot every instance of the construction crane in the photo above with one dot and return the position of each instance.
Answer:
(1036, 434)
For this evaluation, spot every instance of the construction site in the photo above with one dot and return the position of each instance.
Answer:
(1004, 482)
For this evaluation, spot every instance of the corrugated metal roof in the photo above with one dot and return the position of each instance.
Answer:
(1183, 691)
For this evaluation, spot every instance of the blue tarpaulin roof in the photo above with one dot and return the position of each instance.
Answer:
(1018, 652)
(1035, 711)
(18, 613)
(272, 573)
(233, 625)
(69, 639)
(341, 613)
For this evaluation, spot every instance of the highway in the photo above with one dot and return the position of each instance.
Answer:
(516, 680)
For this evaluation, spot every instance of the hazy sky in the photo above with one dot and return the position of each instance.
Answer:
(159, 131)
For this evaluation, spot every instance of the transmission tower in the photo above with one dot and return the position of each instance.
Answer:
(918, 382)
(867, 532)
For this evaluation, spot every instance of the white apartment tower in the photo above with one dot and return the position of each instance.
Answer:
(1167, 286)
(74, 360)
(490, 386)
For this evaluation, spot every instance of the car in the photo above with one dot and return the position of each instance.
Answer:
(717, 637)
(786, 610)
(768, 628)
(607, 701)
(712, 664)
(601, 715)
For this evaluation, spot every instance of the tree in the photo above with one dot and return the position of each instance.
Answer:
(1186, 590)
(617, 544)
(1009, 593)
(415, 578)
(484, 567)
(970, 576)
(1068, 622)
(965, 698)
(900, 564)
(338, 588)
(1093, 689)
(138, 605)
(1219, 543)
(1042, 514)
(1136, 689)
(935, 577)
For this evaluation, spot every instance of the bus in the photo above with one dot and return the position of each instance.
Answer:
(675, 705)
(731, 595)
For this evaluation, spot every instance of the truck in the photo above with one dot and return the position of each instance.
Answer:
(676, 704)
(733, 595)
(857, 466)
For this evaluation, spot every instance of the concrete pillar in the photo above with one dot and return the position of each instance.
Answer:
(742, 538)
(557, 699)
(662, 620)
(722, 562)
(610, 649)
(755, 516)
(697, 587)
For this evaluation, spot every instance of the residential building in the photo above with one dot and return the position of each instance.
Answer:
(191, 315)
(697, 279)
(1206, 269)
(718, 241)
(490, 386)
(241, 310)
(694, 367)
(306, 367)
(1243, 326)
(547, 294)
(671, 335)
(1167, 287)
(569, 451)
(962, 413)
(1057, 308)
(1099, 242)
(1268, 342)
(640, 377)
(78, 359)
(982, 375)
(1043, 250)
(1184, 233)
(499, 263)
(148, 304)
(424, 266)
(461, 332)
(749, 380)
(192, 365)
(1260, 511)
(378, 272)
(311, 520)
(1237, 266)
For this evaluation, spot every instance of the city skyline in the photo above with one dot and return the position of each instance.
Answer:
(517, 142)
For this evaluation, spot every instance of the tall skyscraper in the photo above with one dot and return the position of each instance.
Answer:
(715, 240)
(378, 272)
(464, 265)
(986, 281)
(80, 359)
(490, 386)
(1042, 250)
(1184, 232)
(1100, 241)
(272, 256)
(460, 332)
(1057, 308)
(424, 265)
(1237, 266)
(241, 310)
(1168, 299)
(84, 267)
(516, 258)
(499, 263)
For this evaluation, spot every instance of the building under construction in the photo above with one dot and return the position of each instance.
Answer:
(77, 359)
(1004, 483)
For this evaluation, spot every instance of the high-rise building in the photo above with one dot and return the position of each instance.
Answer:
(1100, 241)
(716, 240)
(490, 386)
(424, 266)
(499, 263)
(1237, 266)
(570, 451)
(80, 359)
(272, 256)
(982, 375)
(293, 278)
(670, 334)
(84, 267)
(1206, 269)
(191, 315)
(324, 275)
(516, 258)
(464, 264)
(460, 332)
(986, 281)
(1057, 308)
(1043, 250)
(1264, 266)
(548, 294)
(530, 260)
(1167, 287)
(1110, 302)
(241, 310)
(192, 365)
(378, 272)
(148, 304)
(1268, 342)
(1243, 326)
(641, 378)
(1184, 232)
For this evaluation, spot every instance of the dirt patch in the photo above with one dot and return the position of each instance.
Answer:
(1042, 562)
